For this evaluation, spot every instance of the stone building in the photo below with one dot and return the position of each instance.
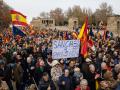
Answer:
(113, 24)
(73, 23)
(39, 23)
(48, 23)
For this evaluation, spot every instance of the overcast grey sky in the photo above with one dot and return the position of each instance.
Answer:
(32, 8)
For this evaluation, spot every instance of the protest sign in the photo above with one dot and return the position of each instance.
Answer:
(65, 48)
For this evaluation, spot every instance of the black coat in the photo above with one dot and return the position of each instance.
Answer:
(68, 83)
(6, 73)
(43, 85)
(91, 81)
(76, 81)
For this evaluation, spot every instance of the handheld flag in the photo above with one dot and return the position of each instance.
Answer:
(17, 31)
(18, 18)
(83, 38)
(81, 31)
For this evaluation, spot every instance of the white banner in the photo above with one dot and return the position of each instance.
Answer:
(65, 48)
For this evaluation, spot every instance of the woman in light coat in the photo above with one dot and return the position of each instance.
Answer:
(56, 72)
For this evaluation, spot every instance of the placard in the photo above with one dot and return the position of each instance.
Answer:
(65, 48)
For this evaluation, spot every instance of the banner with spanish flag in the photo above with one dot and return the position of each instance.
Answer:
(18, 18)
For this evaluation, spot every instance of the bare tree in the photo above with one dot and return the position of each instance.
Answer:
(102, 12)
(44, 15)
(80, 13)
(58, 15)
(69, 13)
(5, 17)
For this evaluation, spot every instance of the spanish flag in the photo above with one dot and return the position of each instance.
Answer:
(18, 18)
(17, 31)
(81, 31)
(83, 37)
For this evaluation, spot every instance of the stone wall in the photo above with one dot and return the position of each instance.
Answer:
(112, 24)
(73, 23)
(40, 23)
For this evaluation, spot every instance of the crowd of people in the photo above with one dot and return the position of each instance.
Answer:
(26, 64)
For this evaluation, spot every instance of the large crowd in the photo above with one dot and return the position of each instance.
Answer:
(26, 64)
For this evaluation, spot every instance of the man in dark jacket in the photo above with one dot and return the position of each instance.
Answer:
(65, 81)
(77, 77)
(45, 83)
(6, 72)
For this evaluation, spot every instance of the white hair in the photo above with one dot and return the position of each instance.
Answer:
(29, 59)
(103, 64)
(91, 66)
(84, 82)
(14, 53)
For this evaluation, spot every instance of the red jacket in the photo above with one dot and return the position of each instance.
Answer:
(78, 88)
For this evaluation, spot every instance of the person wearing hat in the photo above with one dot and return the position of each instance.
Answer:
(56, 72)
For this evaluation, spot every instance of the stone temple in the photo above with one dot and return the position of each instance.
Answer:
(113, 24)
(49, 23)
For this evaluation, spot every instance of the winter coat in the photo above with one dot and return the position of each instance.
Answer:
(18, 73)
(56, 72)
(91, 81)
(43, 85)
(118, 87)
(76, 79)
(68, 83)
(78, 88)
(6, 72)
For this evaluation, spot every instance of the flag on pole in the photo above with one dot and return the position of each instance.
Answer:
(17, 31)
(18, 18)
(83, 38)
(81, 31)
(84, 49)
